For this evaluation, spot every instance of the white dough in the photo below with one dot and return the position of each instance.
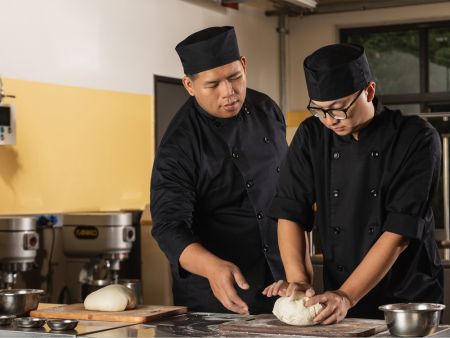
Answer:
(292, 310)
(114, 297)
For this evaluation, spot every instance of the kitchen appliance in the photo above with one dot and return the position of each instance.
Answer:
(19, 242)
(105, 239)
(7, 119)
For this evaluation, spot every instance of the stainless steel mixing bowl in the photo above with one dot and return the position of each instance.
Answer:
(29, 322)
(6, 320)
(62, 324)
(412, 319)
(19, 302)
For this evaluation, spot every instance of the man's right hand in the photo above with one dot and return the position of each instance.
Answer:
(286, 289)
(222, 275)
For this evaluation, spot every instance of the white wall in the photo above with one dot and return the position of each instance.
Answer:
(310, 33)
(121, 44)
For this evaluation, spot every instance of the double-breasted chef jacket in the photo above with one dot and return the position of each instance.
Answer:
(212, 183)
(383, 182)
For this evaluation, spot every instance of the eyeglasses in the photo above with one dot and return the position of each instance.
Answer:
(338, 114)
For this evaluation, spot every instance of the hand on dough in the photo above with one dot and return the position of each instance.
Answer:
(286, 289)
(336, 304)
(114, 297)
(292, 310)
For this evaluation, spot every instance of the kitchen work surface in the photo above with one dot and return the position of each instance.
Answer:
(141, 314)
(83, 328)
(192, 324)
(269, 324)
(202, 324)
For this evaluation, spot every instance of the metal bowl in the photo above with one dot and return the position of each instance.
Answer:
(6, 320)
(19, 302)
(412, 319)
(62, 324)
(30, 322)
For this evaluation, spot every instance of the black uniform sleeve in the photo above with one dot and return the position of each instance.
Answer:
(172, 203)
(415, 183)
(295, 191)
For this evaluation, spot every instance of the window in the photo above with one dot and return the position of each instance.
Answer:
(411, 66)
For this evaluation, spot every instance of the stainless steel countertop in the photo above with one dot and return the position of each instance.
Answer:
(84, 327)
(198, 324)
(195, 324)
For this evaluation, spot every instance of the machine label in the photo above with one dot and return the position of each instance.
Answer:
(86, 232)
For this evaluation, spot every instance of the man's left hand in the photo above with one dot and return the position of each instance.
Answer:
(336, 305)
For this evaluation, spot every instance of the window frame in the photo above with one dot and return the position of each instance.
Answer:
(424, 98)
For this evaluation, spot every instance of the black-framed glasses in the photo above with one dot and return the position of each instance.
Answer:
(338, 114)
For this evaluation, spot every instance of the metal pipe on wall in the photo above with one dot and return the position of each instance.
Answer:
(446, 190)
(282, 38)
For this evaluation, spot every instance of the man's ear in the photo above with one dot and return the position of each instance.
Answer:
(188, 85)
(244, 63)
(370, 91)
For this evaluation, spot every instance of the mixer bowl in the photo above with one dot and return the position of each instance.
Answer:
(19, 302)
(412, 319)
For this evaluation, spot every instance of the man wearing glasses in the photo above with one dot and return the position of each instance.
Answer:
(372, 173)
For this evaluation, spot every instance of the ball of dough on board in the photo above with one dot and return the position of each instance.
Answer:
(292, 310)
(114, 297)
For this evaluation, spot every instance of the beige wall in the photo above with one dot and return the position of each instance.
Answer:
(82, 71)
(312, 32)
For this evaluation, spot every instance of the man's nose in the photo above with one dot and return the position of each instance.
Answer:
(227, 88)
(329, 121)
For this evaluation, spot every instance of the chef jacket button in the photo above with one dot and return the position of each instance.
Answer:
(375, 154)
(337, 230)
(266, 248)
(249, 184)
(340, 268)
(335, 193)
(266, 139)
(336, 155)
(246, 110)
(374, 193)
(371, 230)
(235, 154)
(260, 215)
(278, 169)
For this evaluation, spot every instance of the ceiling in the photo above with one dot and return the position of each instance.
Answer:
(273, 7)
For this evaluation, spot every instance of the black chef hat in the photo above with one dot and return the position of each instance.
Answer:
(336, 71)
(209, 48)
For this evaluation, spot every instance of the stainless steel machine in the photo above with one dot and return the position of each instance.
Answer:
(104, 238)
(19, 242)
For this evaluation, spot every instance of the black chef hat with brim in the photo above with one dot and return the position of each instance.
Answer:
(207, 49)
(336, 71)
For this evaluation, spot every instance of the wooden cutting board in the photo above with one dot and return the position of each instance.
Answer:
(141, 314)
(349, 327)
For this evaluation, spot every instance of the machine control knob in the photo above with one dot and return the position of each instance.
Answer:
(129, 234)
(30, 241)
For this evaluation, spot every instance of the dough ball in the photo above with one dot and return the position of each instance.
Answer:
(114, 297)
(292, 310)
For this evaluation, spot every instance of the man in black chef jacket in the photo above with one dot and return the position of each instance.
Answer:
(372, 173)
(213, 179)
